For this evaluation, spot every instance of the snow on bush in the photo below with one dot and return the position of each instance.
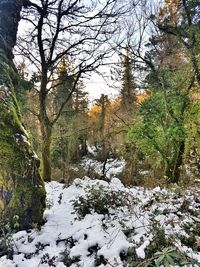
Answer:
(96, 223)
(113, 167)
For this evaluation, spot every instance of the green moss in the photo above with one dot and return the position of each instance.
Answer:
(22, 190)
(29, 198)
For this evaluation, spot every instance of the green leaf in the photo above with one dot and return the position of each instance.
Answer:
(166, 263)
(159, 260)
(170, 259)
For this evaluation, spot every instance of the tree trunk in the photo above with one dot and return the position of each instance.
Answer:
(22, 190)
(46, 129)
(84, 148)
(46, 148)
(173, 168)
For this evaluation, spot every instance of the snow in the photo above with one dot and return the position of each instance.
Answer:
(92, 149)
(22, 138)
(113, 166)
(140, 251)
(130, 222)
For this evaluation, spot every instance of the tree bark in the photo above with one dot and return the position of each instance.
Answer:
(46, 129)
(22, 190)
(173, 168)
(46, 148)
(9, 19)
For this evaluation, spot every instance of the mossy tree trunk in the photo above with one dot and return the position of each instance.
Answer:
(22, 190)
(46, 129)
(46, 149)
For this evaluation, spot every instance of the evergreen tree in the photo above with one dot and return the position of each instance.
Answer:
(70, 133)
(63, 89)
(128, 91)
(81, 110)
(102, 139)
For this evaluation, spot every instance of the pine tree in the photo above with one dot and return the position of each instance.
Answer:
(81, 109)
(63, 90)
(128, 91)
(60, 143)
(70, 133)
(102, 129)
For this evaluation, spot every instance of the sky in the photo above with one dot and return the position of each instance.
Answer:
(95, 84)
(101, 82)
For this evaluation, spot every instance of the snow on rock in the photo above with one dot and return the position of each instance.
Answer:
(76, 233)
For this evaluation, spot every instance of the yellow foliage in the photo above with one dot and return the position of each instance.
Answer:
(170, 10)
(94, 113)
(112, 108)
(142, 97)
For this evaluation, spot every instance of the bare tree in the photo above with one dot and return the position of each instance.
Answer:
(80, 30)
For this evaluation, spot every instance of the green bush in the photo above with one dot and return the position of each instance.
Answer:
(100, 200)
(67, 260)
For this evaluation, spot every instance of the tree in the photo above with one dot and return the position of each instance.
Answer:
(186, 29)
(81, 117)
(161, 134)
(128, 94)
(170, 79)
(69, 139)
(77, 29)
(21, 187)
(103, 103)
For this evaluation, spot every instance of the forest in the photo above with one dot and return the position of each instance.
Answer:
(99, 133)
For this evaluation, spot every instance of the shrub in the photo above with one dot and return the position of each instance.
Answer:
(67, 260)
(100, 200)
(6, 240)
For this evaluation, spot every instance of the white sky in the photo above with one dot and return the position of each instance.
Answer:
(97, 86)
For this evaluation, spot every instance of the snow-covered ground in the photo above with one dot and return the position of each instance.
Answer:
(113, 167)
(96, 223)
